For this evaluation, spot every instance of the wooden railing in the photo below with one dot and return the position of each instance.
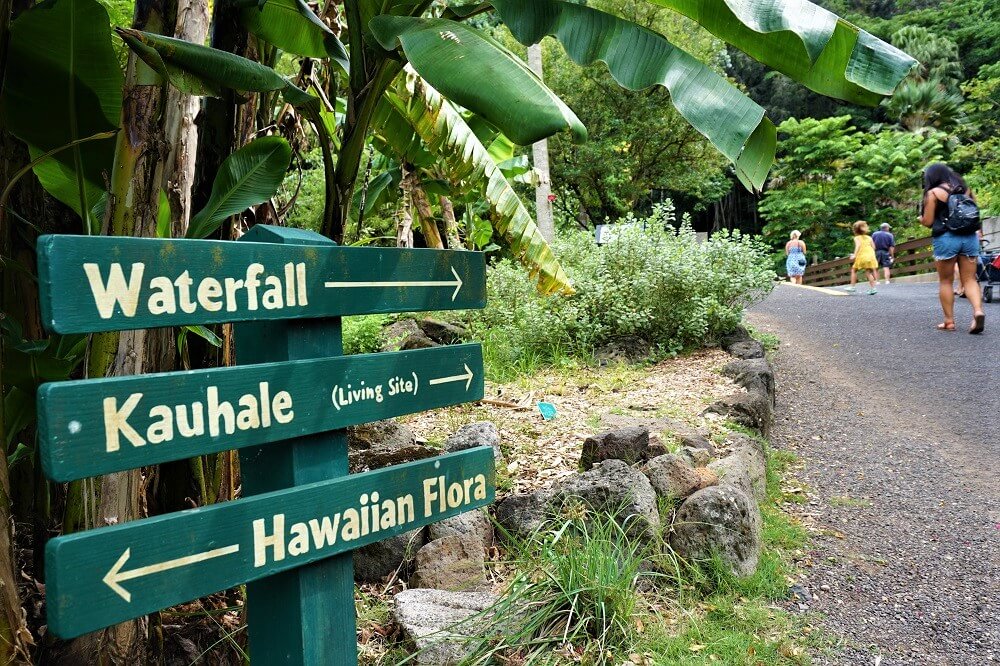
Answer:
(912, 258)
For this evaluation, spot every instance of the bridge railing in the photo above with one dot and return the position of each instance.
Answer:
(913, 257)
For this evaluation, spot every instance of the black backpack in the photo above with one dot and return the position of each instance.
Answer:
(963, 214)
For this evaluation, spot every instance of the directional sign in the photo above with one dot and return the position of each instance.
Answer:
(109, 575)
(105, 283)
(97, 426)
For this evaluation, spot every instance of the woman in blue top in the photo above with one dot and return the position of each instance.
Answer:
(795, 264)
(940, 182)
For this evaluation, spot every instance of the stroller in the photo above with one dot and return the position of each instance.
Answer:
(988, 271)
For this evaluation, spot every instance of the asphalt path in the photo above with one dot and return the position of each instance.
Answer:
(898, 428)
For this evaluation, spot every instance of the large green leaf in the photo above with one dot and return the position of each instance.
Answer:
(806, 42)
(446, 133)
(478, 73)
(293, 27)
(63, 84)
(246, 178)
(639, 58)
(201, 70)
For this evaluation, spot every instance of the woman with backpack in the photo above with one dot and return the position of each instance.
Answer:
(949, 209)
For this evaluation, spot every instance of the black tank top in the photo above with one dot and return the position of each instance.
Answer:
(941, 210)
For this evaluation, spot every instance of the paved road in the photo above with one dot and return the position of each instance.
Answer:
(898, 426)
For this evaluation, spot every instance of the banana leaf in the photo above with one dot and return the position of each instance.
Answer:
(63, 84)
(445, 132)
(201, 70)
(475, 71)
(639, 58)
(293, 27)
(808, 43)
(249, 176)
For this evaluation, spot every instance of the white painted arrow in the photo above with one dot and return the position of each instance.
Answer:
(456, 283)
(467, 378)
(115, 575)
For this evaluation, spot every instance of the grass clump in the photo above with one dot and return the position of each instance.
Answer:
(575, 597)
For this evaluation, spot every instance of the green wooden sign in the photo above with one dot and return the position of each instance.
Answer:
(100, 283)
(109, 575)
(285, 407)
(92, 427)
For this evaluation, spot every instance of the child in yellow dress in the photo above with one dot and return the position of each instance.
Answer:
(864, 257)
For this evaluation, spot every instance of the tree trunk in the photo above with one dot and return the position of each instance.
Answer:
(133, 204)
(180, 132)
(450, 223)
(428, 225)
(540, 159)
(404, 226)
(14, 636)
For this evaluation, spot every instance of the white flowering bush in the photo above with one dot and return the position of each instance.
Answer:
(651, 280)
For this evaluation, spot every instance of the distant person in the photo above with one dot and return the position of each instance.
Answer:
(885, 249)
(864, 258)
(795, 263)
(952, 248)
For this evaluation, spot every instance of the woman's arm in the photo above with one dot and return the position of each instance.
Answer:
(930, 207)
(803, 246)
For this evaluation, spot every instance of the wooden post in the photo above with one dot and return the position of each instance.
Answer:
(304, 616)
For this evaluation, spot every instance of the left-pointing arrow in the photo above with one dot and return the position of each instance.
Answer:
(456, 283)
(116, 576)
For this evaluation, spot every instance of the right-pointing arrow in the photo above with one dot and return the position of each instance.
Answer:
(467, 378)
(116, 576)
(456, 283)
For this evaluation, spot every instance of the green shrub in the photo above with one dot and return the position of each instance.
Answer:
(363, 335)
(575, 593)
(657, 283)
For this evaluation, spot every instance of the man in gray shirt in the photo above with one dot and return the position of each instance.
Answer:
(885, 249)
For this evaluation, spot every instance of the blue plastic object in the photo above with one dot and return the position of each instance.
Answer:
(547, 410)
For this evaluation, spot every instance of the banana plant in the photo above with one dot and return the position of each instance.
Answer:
(471, 70)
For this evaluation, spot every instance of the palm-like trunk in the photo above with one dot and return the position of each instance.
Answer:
(137, 176)
(540, 159)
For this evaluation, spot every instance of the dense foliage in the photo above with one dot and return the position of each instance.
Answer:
(830, 174)
(839, 163)
(651, 281)
(639, 143)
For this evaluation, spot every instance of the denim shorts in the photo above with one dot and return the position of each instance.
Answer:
(949, 245)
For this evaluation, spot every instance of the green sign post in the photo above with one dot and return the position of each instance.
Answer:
(284, 406)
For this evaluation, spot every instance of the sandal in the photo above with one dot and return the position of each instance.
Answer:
(946, 326)
(978, 324)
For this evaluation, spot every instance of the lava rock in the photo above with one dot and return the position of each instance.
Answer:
(671, 477)
(630, 445)
(753, 374)
(453, 563)
(734, 471)
(696, 457)
(441, 624)
(752, 409)
(383, 444)
(615, 488)
(372, 563)
(405, 334)
(476, 523)
(738, 334)
(472, 435)
(746, 349)
(442, 332)
(520, 516)
(628, 348)
(723, 520)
